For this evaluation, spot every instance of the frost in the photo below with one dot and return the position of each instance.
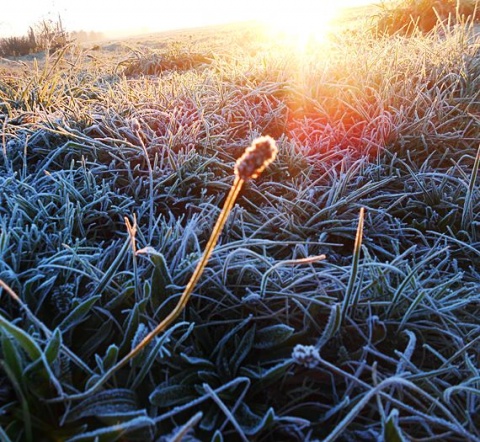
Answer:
(306, 355)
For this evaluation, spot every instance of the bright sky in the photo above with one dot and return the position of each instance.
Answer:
(155, 15)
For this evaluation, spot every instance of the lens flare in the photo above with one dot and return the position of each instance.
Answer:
(304, 22)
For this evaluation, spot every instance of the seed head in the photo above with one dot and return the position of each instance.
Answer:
(306, 355)
(256, 158)
(135, 125)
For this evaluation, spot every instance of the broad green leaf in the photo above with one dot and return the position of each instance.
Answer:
(210, 377)
(78, 314)
(92, 380)
(209, 420)
(391, 430)
(242, 350)
(182, 432)
(221, 347)
(53, 346)
(117, 432)
(197, 362)
(252, 423)
(161, 280)
(4, 436)
(152, 351)
(110, 273)
(96, 339)
(272, 336)
(333, 325)
(217, 437)
(23, 339)
(12, 358)
(40, 378)
(26, 415)
(110, 357)
(103, 403)
(170, 395)
(267, 377)
(130, 327)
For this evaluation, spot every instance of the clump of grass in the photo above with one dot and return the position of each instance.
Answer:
(409, 16)
(155, 63)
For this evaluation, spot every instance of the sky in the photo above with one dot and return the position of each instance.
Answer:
(141, 16)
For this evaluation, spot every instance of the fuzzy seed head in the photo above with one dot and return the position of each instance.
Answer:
(256, 158)
(306, 355)
(135, 125)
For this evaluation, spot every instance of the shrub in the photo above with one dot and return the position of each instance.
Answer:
(18, 46)
(45, 35)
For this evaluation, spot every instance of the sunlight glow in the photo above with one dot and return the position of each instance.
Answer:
(304, 22)
(304, 19)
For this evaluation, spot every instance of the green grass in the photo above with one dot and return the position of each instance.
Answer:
(377, 169)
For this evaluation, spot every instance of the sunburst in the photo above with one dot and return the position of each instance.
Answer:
(304, 22)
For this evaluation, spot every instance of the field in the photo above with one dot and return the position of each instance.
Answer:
(342, 300)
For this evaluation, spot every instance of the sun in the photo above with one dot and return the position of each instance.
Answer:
(304, 21)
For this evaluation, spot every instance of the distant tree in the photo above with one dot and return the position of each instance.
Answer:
(83, 36)
(96, 35)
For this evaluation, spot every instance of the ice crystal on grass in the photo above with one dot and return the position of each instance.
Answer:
(251, 298)
(306, 355)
